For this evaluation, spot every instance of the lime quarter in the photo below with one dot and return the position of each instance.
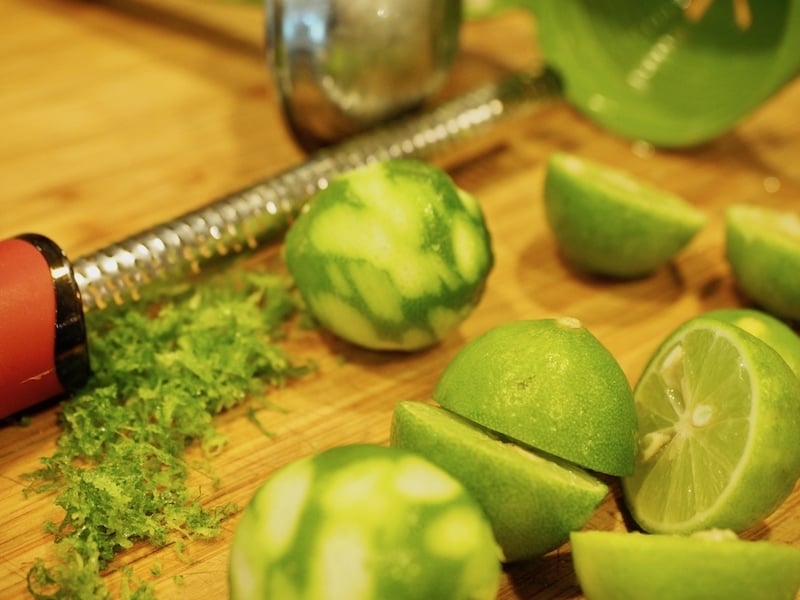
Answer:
(532, 501)
(713, 565)
(607, 222)
(763, 249)
(783, 339)
(550, 384)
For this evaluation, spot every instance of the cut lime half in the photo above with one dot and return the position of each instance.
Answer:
(607, 222)
(718, 414)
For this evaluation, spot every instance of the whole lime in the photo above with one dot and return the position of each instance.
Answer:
(391, 256)
(762, 245)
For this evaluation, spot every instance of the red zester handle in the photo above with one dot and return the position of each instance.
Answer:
(43, 351)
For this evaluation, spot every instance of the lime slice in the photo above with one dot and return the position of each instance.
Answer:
(392, 256)
(550, 384)
(709, 566)
(719, 421)
(363, 522)
(608, 223)
(763, 249)
(532, 501)
(783, 339)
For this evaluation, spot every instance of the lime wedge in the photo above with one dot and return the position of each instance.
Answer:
(532, 501)
(709, 566)
(718, 413)
(763, 249)
(609, 223)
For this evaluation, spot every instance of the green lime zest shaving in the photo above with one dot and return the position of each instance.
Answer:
(161, 372)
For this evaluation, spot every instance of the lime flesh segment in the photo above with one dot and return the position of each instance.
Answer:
(631, 566)
(363, 522)
(763, 248)
(718, 413)
(532, 501)
(609, 223)
(550, 384)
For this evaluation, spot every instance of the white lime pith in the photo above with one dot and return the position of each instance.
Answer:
(392, 256)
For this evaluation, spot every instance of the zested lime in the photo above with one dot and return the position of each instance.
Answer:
(719, 422)
(363, 522)
(711, 565)
(392, 256)
(607, 222)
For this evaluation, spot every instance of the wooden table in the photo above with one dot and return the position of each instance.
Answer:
(117, 115)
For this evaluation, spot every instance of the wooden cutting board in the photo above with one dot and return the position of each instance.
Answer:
(117, 115)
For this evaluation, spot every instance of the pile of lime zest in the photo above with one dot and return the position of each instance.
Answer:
(161, 371)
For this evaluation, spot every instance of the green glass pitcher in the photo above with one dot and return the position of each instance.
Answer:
(674, 73)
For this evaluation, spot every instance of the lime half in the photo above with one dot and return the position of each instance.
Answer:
(607, 222)
(713, 565)
(718, 413)
(763, 249)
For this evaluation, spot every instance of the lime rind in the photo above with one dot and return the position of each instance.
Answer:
(610, 223)
(712, 566)
(718, 414)
(762, 246)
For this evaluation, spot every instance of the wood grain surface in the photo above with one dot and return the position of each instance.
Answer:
(117, 115)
